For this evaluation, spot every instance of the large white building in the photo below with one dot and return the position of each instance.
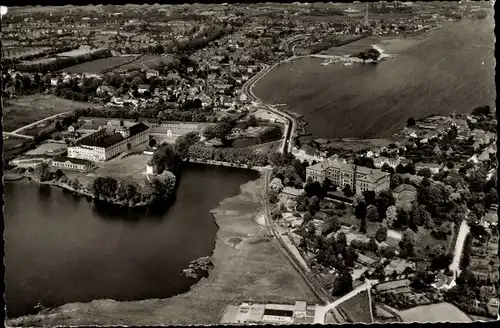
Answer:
(341, 174)
(106, 143)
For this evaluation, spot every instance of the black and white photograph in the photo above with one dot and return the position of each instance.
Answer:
(249, 163)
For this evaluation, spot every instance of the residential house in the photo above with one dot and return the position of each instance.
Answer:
(378, 162)
(435, 168)
(443, 282)
(142, 88)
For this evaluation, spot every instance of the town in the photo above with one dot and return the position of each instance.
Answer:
(109, 102)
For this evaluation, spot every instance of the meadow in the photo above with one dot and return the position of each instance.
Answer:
(96, 66)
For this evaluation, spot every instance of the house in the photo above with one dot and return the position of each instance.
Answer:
(290, 192)
(63, 162)
(239, 128)
(150, 168)
(378, 162)
(406, 191)
(365, 260)
(150, 74)
(54, 81)
(104, 90)
(243, 98)
(435, 168)
(142, 88)
(443, 282)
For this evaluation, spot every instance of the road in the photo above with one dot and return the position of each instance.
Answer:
(462, 233)
(38, 122)
(290, 123)
(12, 134)
(321, 311)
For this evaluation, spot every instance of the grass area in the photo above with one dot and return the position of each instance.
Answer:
(97, 66)
(10, 142)
(442, 312)
(357, 308)
(147, 61)
(129, 167)
(47, 147)
(24, 110)
(425, 239)
(255, 272)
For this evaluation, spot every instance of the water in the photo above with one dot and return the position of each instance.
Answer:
(440, 75)
(60, 248)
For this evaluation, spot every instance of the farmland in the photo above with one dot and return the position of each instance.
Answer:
(357, 308)
(442, 312)
(24, 110)
(375, 101)
(96, 66)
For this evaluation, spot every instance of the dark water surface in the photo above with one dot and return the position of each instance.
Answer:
(60, 248)
(440, 75)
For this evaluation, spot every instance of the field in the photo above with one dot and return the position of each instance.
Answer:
(375, 101)
(253, 270)
(442, 312)
(19, 52)
(47, 148)
(24, 110)
(147, 62)
(357, 308)
(97, 66)
(12, 142)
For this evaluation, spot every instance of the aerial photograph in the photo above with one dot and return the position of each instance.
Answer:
(249, 163)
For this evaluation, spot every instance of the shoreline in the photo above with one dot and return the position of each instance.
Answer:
(248, 266)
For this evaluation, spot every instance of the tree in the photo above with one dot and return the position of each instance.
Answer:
(362, 228)
(407, 243)
(381, 234)
(369, 196)
(410, 122)
(342, 239)
(482, 110)
(426, 172)
(391, 214)
(152, 142)
(347, 191)
(273, 196)
(396, 180)
(342, 284)
(372, 213)
(313, 205)
(360, 210)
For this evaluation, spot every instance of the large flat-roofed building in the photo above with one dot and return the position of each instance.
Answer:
(76, 164)
(269, 313)
(109, 142)
(342, 173)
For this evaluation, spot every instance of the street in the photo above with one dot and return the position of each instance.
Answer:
(462, 233)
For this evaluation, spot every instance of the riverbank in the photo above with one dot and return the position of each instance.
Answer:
(248, 266)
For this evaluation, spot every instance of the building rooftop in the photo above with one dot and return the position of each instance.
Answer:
(77, 161)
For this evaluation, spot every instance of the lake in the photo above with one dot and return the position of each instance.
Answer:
(451, 70)
(61, 248)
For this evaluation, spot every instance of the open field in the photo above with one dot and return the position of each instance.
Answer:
(357, 308)
(442, 312)
(9, 143)
(24, 110)
(97, 66)
(147, 62)
(253, 270)
(129, 167)
(375, 101)
(19, 52)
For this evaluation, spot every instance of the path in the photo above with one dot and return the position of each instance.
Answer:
(38, 122)
(462, 233)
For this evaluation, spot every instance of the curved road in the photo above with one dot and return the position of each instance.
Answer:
(290, 123)
(38, 122)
